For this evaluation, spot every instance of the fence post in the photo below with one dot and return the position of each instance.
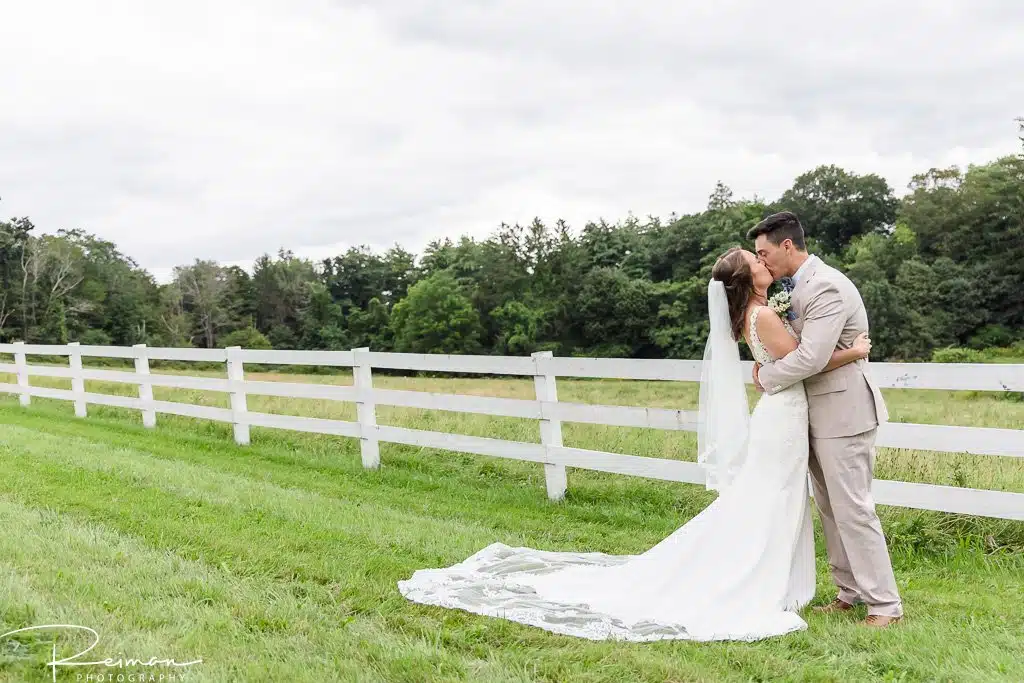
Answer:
(362, 378)
(77, 380)
(22, 364)
(145, 388)
(236, 373)
(550, 430)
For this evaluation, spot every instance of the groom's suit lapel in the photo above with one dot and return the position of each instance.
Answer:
(800, 294)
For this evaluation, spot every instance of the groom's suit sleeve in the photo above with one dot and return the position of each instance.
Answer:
(823, 324)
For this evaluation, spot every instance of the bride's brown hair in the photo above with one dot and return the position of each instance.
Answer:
(733, 271)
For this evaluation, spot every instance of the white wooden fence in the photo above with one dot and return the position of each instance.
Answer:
(546, 408)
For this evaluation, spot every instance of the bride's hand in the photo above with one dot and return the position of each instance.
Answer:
(862, 345)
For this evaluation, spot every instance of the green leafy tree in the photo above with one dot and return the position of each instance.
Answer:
(519, 329)
(616, 314)
(247, 338)
(436, 317)
(282, 290)
(202, 287)
(836, 206)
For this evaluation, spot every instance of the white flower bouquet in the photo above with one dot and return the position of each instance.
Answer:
(780, 303)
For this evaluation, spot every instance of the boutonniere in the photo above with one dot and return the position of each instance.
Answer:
(782, 304)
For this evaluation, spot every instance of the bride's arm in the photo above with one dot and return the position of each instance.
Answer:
(861, 349)
(780, 343)
(773, 334)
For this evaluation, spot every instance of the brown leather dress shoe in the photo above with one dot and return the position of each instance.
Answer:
(879, 621)
(833, 607)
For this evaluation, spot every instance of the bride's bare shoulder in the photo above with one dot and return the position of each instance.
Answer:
(766, 317)
(772, 332)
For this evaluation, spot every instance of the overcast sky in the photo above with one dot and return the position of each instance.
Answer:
(227, 129)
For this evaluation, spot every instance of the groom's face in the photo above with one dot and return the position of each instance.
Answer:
(775, 257)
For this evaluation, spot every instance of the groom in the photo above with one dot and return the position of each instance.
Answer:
(845, 409)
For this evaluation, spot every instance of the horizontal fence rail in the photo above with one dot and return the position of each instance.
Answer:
(545, 408)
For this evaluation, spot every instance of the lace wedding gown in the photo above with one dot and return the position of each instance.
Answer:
(737, 571)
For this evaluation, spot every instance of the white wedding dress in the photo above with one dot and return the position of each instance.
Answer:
(739, 570)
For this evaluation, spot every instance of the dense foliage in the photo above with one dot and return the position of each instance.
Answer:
(942, 266)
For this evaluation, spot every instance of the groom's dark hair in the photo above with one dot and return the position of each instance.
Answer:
(780, 227)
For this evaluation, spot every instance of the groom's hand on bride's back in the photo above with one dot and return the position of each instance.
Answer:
(757, 382)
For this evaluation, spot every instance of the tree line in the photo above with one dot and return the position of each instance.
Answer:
(941, 266)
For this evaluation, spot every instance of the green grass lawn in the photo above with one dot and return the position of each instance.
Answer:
(278, 561)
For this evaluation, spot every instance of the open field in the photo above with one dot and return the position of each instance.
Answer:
(278, 561)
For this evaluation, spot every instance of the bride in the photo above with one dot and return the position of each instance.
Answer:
(740, 569)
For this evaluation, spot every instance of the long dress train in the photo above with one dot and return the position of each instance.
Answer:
(738, 570)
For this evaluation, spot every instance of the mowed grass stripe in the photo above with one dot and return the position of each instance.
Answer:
(504, 496)
(146, 602)
(249, 532)
(274, 527)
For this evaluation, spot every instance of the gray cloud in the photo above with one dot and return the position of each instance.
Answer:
(920, 69)
(230, 129)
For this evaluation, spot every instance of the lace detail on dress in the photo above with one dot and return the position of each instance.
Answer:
(757, 348)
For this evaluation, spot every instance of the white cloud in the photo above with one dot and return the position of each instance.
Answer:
(225, 130)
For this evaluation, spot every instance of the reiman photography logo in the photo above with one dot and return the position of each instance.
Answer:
(177, 672)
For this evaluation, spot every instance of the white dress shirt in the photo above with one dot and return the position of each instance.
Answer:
(803, 267)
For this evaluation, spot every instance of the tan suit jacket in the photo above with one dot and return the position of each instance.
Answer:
(830, 315)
